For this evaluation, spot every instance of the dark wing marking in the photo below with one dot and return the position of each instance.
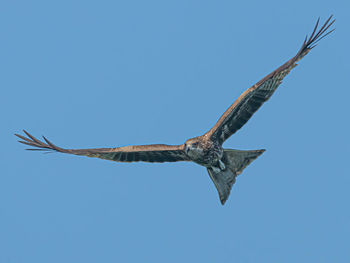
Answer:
(251, 100)
(145, 153)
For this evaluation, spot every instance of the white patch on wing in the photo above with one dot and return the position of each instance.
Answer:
(225, 130)
(222, 136)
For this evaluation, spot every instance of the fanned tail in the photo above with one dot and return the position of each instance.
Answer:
(235, 162)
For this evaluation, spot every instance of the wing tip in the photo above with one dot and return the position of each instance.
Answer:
(317, 34)
(37, 144)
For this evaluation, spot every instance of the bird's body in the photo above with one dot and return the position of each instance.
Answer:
(204, 151)
(223, 165)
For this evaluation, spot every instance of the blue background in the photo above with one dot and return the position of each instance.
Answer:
(114, 73)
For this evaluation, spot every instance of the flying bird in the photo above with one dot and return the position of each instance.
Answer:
(223, 165)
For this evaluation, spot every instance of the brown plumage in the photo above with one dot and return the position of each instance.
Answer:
(251, 100)
(223, 165)
(145, 153)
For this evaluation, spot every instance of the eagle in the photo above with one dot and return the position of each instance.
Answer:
(223, 165)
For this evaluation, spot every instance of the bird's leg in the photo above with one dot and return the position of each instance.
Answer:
(222, 165)
(219, 169)
(216, 169)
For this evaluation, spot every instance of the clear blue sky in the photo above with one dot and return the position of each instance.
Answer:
(114, 73)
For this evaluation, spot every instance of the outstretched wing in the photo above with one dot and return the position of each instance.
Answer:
(251, 100)
(146, 153)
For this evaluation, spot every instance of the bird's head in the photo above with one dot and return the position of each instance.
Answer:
(193, 147)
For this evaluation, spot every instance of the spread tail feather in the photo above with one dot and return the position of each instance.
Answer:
(235, 161)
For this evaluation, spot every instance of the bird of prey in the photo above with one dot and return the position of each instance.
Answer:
(223, 165)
